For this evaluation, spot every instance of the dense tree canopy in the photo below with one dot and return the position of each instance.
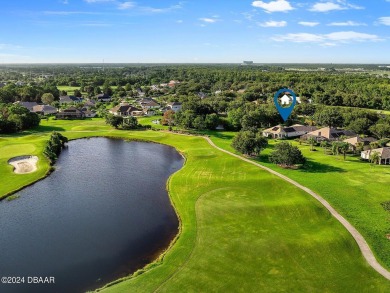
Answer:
(15, 118)
(285, 154)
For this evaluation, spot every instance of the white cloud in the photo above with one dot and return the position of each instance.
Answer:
(179, 21)
(308, 23)
(126, 5)
(273, 6)
(333, 5)
(273, 23)
(347, 23)
(331, 39)
(299, 38)
(208, 20)
(153, 10)
(385, 20)
(352, 36)
(326, 6)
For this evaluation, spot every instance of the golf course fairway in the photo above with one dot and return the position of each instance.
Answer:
(242, 228)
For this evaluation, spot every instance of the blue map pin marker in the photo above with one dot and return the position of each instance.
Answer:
(285, 112)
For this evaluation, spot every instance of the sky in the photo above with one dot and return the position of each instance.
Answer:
(195, 31)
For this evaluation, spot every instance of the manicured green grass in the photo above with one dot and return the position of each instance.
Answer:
(242, 229)
(355, 188)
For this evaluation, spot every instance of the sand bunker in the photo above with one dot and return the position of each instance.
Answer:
(24, 164)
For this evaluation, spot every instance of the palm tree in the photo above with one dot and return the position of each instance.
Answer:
(335, 148)
(359, 147)
(375, 158)
(324, 144)
(344, 147)
(312, 141)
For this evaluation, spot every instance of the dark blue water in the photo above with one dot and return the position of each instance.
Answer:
(101, 215)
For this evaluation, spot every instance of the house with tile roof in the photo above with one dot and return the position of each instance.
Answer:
(353, 141)
(329, 134)
(295, 130)
(384, 154)
(125, 110)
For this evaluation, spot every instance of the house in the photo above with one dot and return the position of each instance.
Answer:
(175, 106)
(70, 113)
(125, 110)
(69, 100)
(148, 103)
(140, 92)
(103, 98)
(28, 105)
(384, 154)
(173, 83)
(2, 84)
(89, 113)
(330, 134)
(295, 130)
(149, 112)
(353, 141)
(89, 103)
(44, 109)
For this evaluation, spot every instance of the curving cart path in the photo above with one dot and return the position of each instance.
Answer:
(364, 248)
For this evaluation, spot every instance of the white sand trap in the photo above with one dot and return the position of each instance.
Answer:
(24, 164)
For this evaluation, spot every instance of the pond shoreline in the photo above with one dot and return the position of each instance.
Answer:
(157, 256)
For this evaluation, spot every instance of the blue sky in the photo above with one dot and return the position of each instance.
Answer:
(213, 31)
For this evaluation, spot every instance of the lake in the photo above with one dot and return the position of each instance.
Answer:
(102, 214)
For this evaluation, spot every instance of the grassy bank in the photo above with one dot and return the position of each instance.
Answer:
(243, 229)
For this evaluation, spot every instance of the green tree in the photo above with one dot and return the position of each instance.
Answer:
(375, 158)
(114, 121)
(330, 117)
(47, 98)
(212, 121)
(130, 123)
(312, 141)
(344, 148)
(381, 130)
(168, 118)
(199, 123)
(249, 142)
(325, 144)
(285, 154)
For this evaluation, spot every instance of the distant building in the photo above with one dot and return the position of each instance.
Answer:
(28, 105)
(287, 132)
(247, 63)
(330, 134)
(384, 154)
(148, 103)
(71, 113)
(173, 83)
(44, 109)
(125, 111)
(103, 98)
(69, 100)
(353, 141)
(175, 106)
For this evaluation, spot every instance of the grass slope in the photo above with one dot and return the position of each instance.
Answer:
(354, 188)
(243, 229)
